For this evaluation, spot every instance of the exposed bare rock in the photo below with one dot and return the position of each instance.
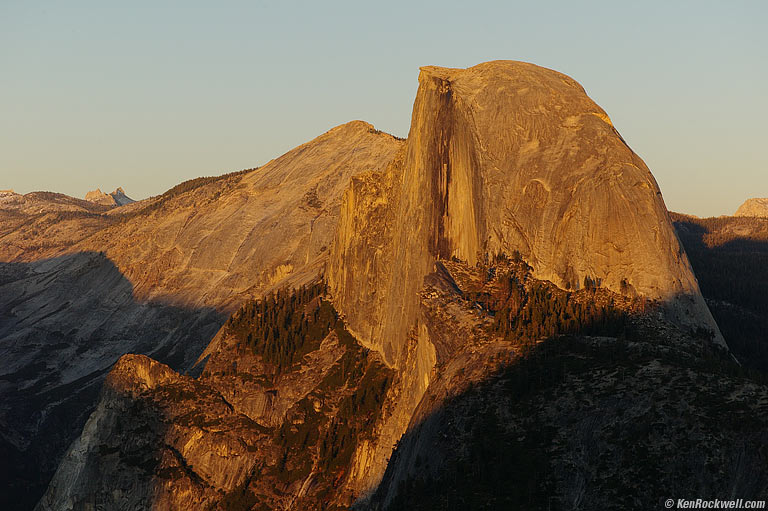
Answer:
(97, 195)
(503, 157)
(266, 405)
(34, 203)
(514, 221)
(498, 420)
(116, 198)
(245, 433)
(120, 197)
(141, 427)
(753, 207)
(245, 234)
(82, 284)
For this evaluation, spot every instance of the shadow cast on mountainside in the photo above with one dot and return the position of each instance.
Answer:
(64, 321)
(729, 257)
(124, 459)
(508, 421)
(619, 410)
(588, 423)
(273, 419)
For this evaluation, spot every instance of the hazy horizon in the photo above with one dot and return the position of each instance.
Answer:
(145, 97)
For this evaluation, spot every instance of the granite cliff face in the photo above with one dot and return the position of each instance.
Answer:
(514, 237)
(82, 283)
(504, 157)
(753, 207)
(501, 158)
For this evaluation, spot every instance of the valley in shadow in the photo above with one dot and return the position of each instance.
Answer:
(729, 256)
(64, 321)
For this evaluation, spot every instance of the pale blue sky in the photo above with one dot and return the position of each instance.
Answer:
(134, 94)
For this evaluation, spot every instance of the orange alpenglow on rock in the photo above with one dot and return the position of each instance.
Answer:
(501, 157)
(116, 198)
(753, 207)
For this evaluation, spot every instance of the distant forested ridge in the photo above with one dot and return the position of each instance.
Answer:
(729, 256)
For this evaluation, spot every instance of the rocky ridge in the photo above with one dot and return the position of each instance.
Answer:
(82, 284)
(513, 221)
(753, 207)
(114, 199)
(247, 431)
(553, 421)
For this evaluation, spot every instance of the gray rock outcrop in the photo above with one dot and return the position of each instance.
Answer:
(114, 199)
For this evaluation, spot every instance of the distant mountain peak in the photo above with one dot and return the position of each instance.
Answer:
(116, 198)
(753, 207)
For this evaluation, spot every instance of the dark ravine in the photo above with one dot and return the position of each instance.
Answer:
(506, 285)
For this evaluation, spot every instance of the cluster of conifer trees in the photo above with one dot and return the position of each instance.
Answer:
(285, 326)
(197, 182)
(542, 310)
(357, 412)
(282, 328)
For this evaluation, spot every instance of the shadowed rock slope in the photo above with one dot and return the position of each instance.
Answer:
(538, 398)
(81, 284)
(584, 423)
(730, 258)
